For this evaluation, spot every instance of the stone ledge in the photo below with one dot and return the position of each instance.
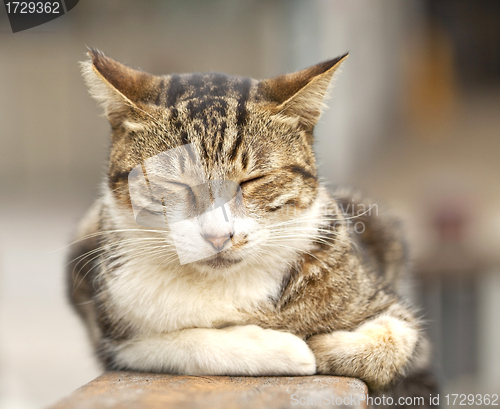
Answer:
(125, 390)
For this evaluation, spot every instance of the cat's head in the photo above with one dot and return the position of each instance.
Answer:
(222, 165)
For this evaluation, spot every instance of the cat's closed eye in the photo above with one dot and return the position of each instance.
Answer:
(248, 182)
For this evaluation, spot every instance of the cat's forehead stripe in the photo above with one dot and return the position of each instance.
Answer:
(173, 91)
(177, 88)
(212, 103)
(161, 92)
(241, 117)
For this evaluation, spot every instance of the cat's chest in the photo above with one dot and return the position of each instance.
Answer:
(163, 301)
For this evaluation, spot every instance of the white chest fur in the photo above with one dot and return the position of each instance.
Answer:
(164, 300)
(160, 301)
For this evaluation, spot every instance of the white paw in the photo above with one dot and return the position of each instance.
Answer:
(239, 351)
(274, 352)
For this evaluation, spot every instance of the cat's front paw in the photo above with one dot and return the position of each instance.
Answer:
(276, 352)
(378, 351)
(301, 359)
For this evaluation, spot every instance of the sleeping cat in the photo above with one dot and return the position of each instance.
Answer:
(272, 280)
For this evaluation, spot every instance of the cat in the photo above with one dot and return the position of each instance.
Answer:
(280, 283)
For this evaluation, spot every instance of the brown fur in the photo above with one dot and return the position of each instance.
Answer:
(341, 295)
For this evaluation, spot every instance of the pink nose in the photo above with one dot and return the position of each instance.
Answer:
(217, 242)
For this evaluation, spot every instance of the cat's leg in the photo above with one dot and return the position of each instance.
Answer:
(236, 350)
(379, 351)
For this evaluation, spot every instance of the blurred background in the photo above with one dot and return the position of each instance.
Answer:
(414, 121)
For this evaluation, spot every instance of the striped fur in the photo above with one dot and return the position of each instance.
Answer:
(298, 292)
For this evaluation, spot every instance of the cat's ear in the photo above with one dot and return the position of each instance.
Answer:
(119, 89)
(301, 94)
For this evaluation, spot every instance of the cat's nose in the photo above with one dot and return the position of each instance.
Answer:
(218, 242)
